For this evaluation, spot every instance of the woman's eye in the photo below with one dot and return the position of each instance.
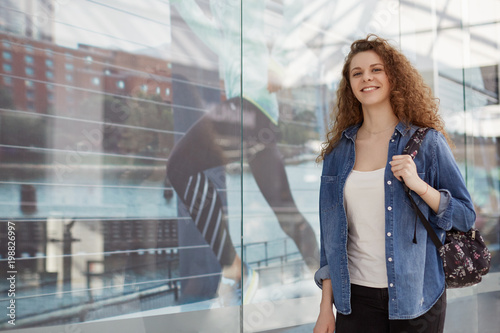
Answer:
(356, 74)
(377, 69)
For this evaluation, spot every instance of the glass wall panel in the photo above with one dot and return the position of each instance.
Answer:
(482, 131)
(465, 58)
(114, 116)
(280, 134)
(157, 158)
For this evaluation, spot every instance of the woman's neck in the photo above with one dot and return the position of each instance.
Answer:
(378, 120)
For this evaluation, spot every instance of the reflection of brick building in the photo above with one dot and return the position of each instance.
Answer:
(46, 78)
(143, 249)
(63, 93)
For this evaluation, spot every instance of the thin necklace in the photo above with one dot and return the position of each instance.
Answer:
(378, 132)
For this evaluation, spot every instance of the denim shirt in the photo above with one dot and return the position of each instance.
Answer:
(414, 271)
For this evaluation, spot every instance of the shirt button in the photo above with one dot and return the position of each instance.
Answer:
(389, 182)
(390, 259)
(389, 234)
(389, 208)
(391, 285)
(392, 140)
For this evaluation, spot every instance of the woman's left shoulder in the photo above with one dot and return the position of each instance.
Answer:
(429, 135)
(435, 146)
(432, 141)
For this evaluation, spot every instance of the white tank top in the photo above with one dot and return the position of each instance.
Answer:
(364, 203)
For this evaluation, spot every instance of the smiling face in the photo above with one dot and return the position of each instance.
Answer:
(368, 79)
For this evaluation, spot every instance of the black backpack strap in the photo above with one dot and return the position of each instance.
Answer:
(411, 149)
(413, 146)
(434, 237)
(415, 141)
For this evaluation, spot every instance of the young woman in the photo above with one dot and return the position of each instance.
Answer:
(378, 278)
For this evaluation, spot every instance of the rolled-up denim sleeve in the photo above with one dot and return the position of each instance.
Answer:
(321, 274)
(443, 202)
(457, 209)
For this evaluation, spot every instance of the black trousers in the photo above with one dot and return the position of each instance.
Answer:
(370, 314)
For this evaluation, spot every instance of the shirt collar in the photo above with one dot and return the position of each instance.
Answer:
(402, 128)
(351, 132)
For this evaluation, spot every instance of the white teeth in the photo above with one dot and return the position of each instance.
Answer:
(369, 89)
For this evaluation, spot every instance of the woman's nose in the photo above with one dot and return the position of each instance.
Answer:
(367, 77)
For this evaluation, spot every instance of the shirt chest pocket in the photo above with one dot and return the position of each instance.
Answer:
(330, 193)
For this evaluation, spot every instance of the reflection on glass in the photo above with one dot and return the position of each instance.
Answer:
(250, 114)
(82, 162)
(140, 141)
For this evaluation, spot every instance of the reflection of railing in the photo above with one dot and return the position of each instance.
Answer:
(277, 261)
(168, 265)
(83, 305)
(85, 311)
(267, 258)
(278, 258)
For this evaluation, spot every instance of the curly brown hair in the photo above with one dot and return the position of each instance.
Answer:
(411, 99)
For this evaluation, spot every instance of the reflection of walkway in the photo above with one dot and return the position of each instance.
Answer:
(471, 310)
(88, 192)
(475, 309)
(282, 277)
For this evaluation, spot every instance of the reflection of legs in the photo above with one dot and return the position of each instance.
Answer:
(269, 173)
(195, 152)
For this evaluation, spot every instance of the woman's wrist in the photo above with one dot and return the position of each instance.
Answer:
(422, 189)
(326, 306)
(425, 191)
(326, 302)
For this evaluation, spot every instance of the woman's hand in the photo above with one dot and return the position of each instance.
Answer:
(403, 168)
(325, 322)
(326, 319)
